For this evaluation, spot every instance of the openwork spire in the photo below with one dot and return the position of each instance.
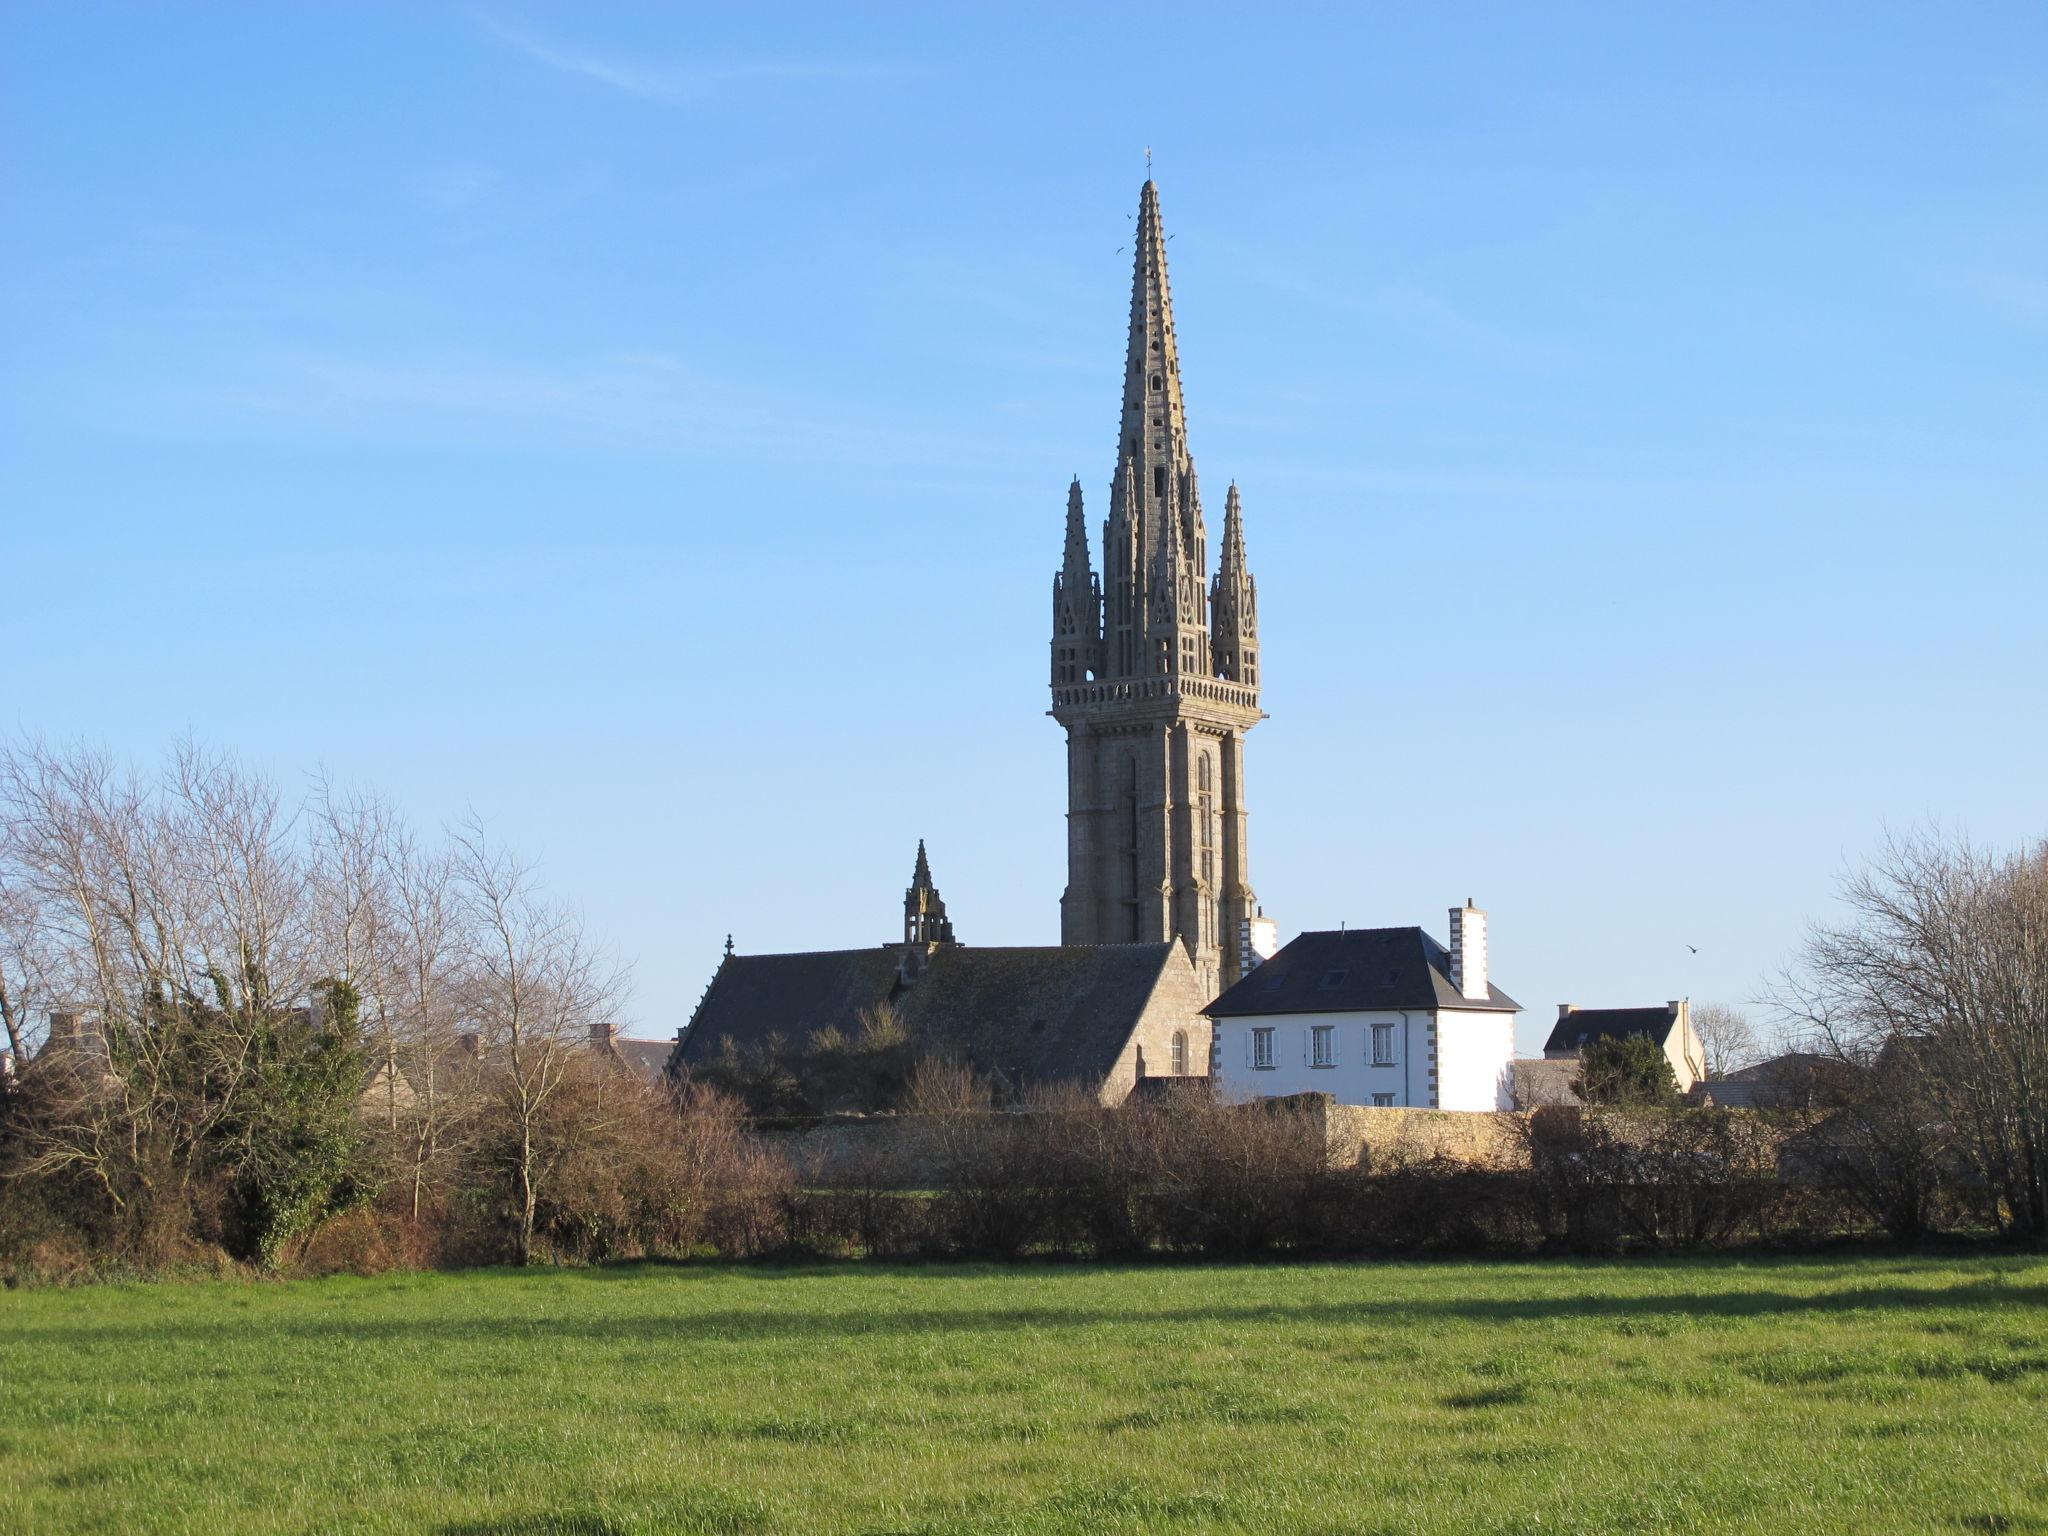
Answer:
(1234, 603)
(1153, 433)
(924, 914)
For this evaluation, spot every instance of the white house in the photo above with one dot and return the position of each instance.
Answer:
(1380, 1016)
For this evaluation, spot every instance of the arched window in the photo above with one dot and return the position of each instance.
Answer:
(1180, 1053)
(1155, 381)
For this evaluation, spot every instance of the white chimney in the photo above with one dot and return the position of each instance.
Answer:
(1257, 940)
(1468, 951)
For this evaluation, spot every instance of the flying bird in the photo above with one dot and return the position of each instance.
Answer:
(1694, 948)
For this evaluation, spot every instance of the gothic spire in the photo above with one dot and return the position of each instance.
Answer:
(1077, 530)
(1154, 426)
(1234, 603)
(924, 914)
(1076, 603)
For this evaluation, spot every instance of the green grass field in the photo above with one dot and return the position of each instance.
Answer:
(1798, 1396)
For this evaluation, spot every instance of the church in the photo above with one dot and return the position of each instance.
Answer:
(1155, 680)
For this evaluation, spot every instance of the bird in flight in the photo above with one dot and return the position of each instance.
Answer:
(1694, 948)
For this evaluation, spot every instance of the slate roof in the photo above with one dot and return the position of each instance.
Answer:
(645, 1059)
(1353, 970)
(1538, 1082)
(1797, 1079)
(1582, 1026)
(1038, 1015)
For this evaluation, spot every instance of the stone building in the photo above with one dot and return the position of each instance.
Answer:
(1101, 1017)
(1668, 1027)
(1155, 675)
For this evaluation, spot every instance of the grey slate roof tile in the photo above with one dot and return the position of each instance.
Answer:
(1353, 970)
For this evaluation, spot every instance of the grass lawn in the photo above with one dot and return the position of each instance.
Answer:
(1799, 1396)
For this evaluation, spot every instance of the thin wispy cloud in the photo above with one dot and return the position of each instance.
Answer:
(689, 82)
(635, 404)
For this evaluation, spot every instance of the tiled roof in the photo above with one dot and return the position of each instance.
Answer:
(1797, 1079)
(1538, 1082)
(645, 1059)
(1036, 1015)
(1582, 1026)
(1353, 971)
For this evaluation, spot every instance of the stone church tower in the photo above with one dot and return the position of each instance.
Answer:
(1155, 675)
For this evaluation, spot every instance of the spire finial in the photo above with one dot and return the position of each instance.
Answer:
(1148, 162)
(728, 946)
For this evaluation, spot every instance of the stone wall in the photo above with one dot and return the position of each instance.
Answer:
(1381, 1138)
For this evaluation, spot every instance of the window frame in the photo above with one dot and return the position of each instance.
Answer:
(1322, 1046)
(1262, 1046)
(1391, 1033)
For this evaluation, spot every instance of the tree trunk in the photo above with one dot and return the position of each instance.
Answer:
(527, 1201)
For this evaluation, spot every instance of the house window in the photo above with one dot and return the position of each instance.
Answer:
(1180, 1053)
(1322, 1045)
(1383, 1101)
(1262, 1050)
(1383, 1045)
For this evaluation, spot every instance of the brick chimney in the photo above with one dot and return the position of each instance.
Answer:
(1468, 951)
(604, 1035)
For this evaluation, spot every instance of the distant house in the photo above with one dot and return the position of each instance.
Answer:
(1668, 1027)
(1795, 1080)
(1376, 1016)
(1538, 1082)
(644, 1059)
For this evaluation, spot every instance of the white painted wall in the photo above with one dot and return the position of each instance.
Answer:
(1473, 1052)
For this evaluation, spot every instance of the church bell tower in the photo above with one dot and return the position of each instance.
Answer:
(1155, 674)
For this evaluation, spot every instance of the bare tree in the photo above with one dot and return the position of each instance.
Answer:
(539, 987)
(26, 961)
(1727, 1037)
(427, 976)
(1940, 975)
(178, 928)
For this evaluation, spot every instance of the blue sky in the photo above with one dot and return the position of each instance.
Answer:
(652, 427)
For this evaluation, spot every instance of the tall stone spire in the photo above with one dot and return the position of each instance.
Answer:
(1154, 427)
(924, 914)
(1157, 830)
(1155, 560)
(1234, 603)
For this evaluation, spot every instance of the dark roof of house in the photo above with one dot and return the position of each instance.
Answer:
(1353, 970)
(1582, 1026)
(1795, 1079)
(1037, 1015)
(645, 1059)
(1538, 1082)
